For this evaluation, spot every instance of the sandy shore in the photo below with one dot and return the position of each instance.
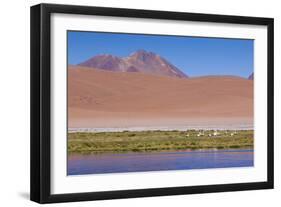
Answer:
(167, 128)
(117, 125)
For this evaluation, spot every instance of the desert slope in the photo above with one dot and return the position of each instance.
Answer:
(98, 98)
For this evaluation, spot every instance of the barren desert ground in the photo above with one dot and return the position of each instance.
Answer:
(104, 99)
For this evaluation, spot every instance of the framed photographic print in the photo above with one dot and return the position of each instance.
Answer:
(133, 103)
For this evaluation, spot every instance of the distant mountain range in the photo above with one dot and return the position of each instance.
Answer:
(140, 61)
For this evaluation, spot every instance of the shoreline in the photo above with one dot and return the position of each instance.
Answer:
(172, 151)
(160, 128)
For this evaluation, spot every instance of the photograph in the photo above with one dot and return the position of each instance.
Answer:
(152, 102)
(132, 103)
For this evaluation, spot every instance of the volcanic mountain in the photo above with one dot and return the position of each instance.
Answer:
(251, 77)
(141, 61)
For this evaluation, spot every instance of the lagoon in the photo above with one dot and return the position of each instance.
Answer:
(81, 164)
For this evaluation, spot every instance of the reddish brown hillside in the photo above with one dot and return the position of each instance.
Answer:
(98, 97)
(140, 61)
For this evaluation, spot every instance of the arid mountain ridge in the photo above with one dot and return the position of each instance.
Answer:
(140, 61)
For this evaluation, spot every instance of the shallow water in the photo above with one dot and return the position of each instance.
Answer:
(158, 161)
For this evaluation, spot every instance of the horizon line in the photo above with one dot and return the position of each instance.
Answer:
(189, 76)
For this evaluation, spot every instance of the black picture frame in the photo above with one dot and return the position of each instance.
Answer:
(41, 98)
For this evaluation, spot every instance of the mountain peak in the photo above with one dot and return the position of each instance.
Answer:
(143, 54)
(103, 61)
(142, 51)
(140, 61)
(251, 77)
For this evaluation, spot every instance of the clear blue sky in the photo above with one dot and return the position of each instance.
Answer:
(194, 56)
